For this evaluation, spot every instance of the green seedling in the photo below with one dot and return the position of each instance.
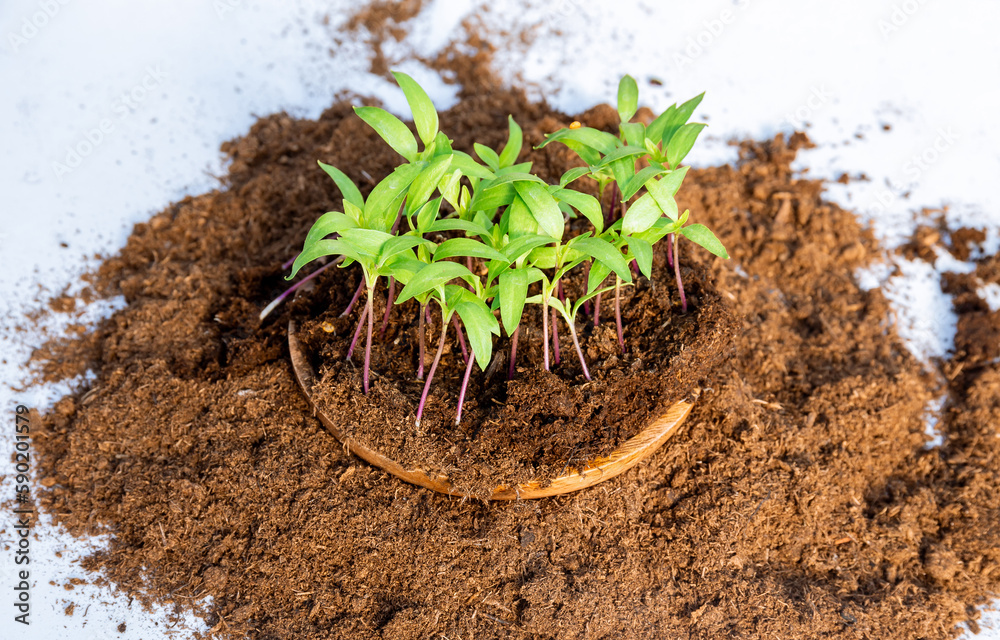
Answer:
(482, 236)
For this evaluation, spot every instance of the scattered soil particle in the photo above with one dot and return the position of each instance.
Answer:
(196, 449)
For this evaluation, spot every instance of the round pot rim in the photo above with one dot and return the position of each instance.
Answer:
(594, 471)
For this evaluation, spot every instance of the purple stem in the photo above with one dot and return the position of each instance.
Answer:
(434, 366)
(461, 394)
(579, 352)
(420, 331)
(354, 300)
(427, 313)
(288, 265)
(277, 301)
(555, 324)
(597, 309)
(677, 272)
(513, 352)
(670, 250)
(461, 338)
(618, 313)
(545, 331)
(357, 332)
(388, 305)
(586, 279)
(368, 344)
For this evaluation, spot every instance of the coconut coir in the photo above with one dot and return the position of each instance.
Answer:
(798, 502)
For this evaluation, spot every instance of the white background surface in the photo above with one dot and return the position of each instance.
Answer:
(164, 83)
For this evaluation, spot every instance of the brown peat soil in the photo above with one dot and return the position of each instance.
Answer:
(797, 502)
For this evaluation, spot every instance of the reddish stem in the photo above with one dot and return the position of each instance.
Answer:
(579, 352)
(597, 309)
(277, 301)
(368, 343)
(354, 300)
(357, 332)
(586, 280)
(461, 338)
(545, 331)
(618, 313)
(461, 394)
(388, 305)
(677, 272)
(513, 352)
(555, 325)
(434, 366)
(420, 333)
(670, 249)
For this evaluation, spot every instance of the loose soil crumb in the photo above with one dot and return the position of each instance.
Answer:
(798, 502)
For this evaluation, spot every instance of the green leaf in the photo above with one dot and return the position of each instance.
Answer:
(601, 141)
(523, 245)
(628, 98)
(321, 249)
(348, 189)
(367, 242)
(426, 182)
(391, 129)
(480, 326)
(469, 167)
(586, 204)
(493, 198)
(672, 181)
(396, 245)
(457, 224)
(387, 196)
(543, 208)
(641, 215)
(703, 236)
(623, 170)
(427, 215)
(664, 127)
(329, 222)
(635, 133)
(467, 247)
(515, 140)
(520, 221)
(682, 141)
(627, 151)
(599, 272)
(403, 267)
(513, 292)
(607, 254)
(643, 252)
(572, 175)
(432, 276)
(663, 197)
(637, 181)
(425, 116)
(487, 155)
(543, 257)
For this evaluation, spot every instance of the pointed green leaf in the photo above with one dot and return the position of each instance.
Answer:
(572, 175)
(543, 208)
(523, 245)
(664, 199)
(599, 272)
(703, 236)
(487, 155)
(457, 224)
(426, 182)
(513, 292)
(682, 141)
(480, 326)
(348, 189)
(493, 198)
(321, 249)
(515, 140)
(463, 247)
(628, 98)
(427, 215)
(586, 204)
(391, 129)
(425, 116)
(643, 252)
(607, 254)
(641, 215)
(600, 141)
(432, 276)
(367, 242)
(469, 167)
(520, 221)
(637, 181)
(329, 222)
(635, 133)
(386, 198)
(399, 244)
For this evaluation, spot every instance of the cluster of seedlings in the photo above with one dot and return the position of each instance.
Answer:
(506, 230)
